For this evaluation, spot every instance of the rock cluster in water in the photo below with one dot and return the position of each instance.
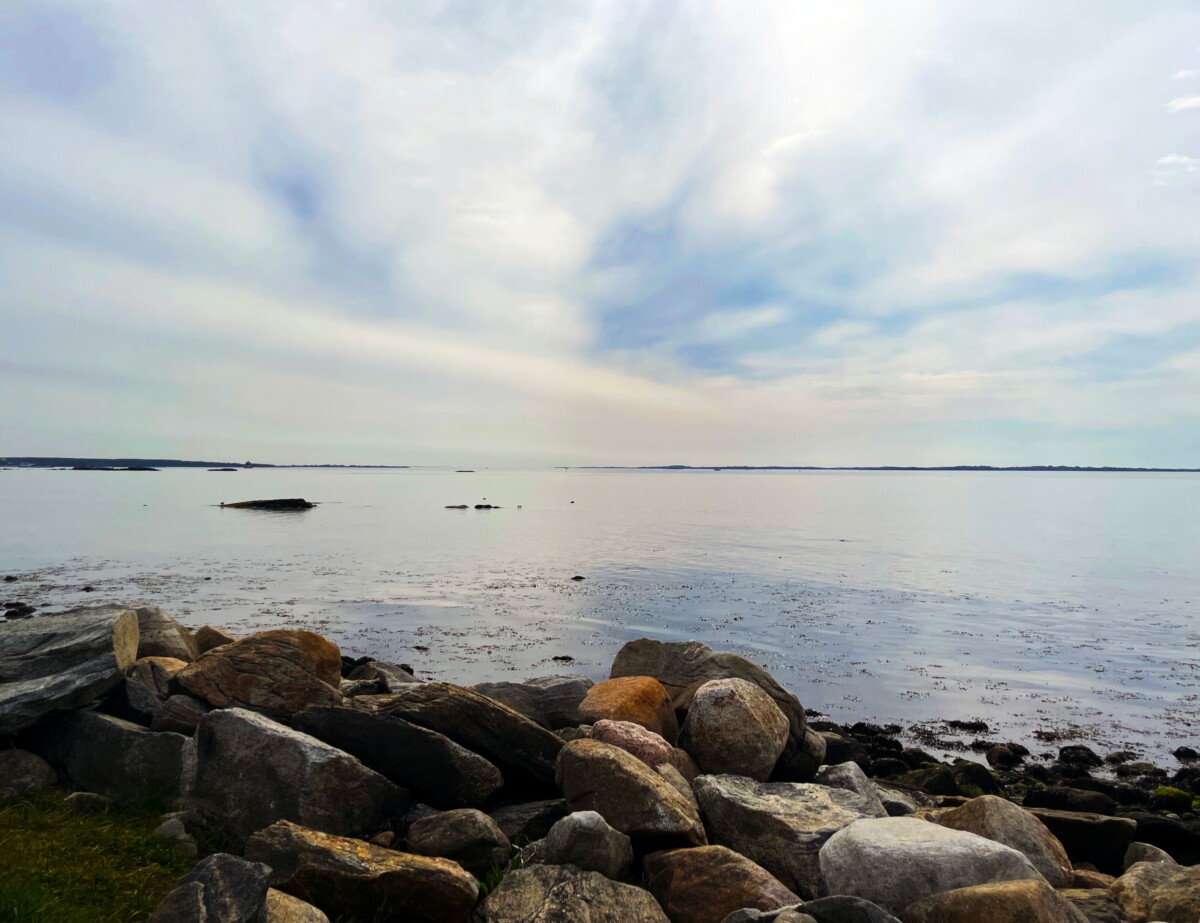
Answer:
(689, 787)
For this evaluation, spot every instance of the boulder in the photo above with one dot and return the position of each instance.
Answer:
(1060, 798)
(652, 749)
(899, 801)
(1096, 905)
(220, 889)
(676, 780)
(1092, 838)
(148, 684)
(733, 726)
(209, 637)
(391, 676)
(850, 776)
(842, 749)
(791, 914)
(438, 770)
(554, 893)
(351, 878)
(283, 908)
(896, 861)
(633, 798)
(279, 672)
(504, 737)
(780, 825)
(843, 908)
(25, 773)
(551, 701)
(58, 663)
(465, 835)
(707, 883)
(585, 840)
(1004, 822)
(1002, 902)
(251, 771)
(116, 758)
(1159, 891)
(684, 666)
(531, 820)
(1084, 878)
(159, 635)
(1137, 852)
(179, 713)
(641, 700)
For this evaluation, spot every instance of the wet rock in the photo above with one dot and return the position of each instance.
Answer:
(595, 776)
(973, 779)
(148, 684)
(116, 758)
(1002, 902)
(209, 637)
(529, 821)
(283, 908)
(897, 861)
(464, 835)
(780, 825)
(57, 664)
(162, 636)
(430, 764)
(649, 747)
(585, 840)
(1079, 755)
(504, 737)
(1059, 798)
(25, 773)
(1004, 822)
(1002, 757)
(279, 672)
(277, 505)
(851, 777)
(1186, 754)
(1093, 838)
(640, 700)
(350, 878)
(936, 780)
(179, 713)
(220, 889)
(733, 726)
(551, 701)
(684, 666)
(554, 893)
(251, 771)
(706, 884)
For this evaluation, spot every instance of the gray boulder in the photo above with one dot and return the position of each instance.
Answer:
(851, 777)
(251, 771)
(116, 758)
(684, 666)
(438, 770)
(899, 801)
(392, 677)
(464, 835)
(162, 636)
(25, 773)
(562, 893)
(551, 701)
(734, 726)
(780, 825)
(148, 684)
(220, 889)
(584, 839)
(896, 861)
(57, 663)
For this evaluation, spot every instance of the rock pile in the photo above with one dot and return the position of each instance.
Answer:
(688, 787)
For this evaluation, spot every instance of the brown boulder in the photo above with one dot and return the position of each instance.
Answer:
(641, 700)
(162, 636)
(734, 727)
(1029, 901)
(707, 883)
(628, 794)
(350, 878)
(278, 672)
(997, 819)
(1159, 891)
(208, 637)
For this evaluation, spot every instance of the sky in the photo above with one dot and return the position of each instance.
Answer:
(511, 233)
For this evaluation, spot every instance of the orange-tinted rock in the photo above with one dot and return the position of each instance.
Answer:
(208, 637)
(279, 672)
(641, 700)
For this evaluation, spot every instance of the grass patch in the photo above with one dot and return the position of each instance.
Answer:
(60, 867)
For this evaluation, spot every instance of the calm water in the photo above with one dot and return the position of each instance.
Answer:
(1034, 601)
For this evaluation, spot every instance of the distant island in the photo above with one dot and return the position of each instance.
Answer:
(45, 461)
(1063, 468)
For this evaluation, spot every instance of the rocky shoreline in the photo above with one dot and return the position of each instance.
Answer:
(690, 786)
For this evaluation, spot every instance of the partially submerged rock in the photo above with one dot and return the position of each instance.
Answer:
(562, 893)
(280, 505)
(54, 664)
(350, 878)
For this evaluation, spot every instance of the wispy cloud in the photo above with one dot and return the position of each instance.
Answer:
(1183, 103)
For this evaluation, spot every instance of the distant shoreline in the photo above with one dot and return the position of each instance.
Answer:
(40, 461)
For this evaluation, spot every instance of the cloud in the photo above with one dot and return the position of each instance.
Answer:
(1183, 103)
(1185, 75)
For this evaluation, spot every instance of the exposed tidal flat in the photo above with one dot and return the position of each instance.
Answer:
(1037, 602)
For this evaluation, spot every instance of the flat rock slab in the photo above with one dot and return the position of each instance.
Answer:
(251, 771)
(350, 878)
(57, 663)
(438, 770)
(780, 825)
(897, 861)
(564, 894)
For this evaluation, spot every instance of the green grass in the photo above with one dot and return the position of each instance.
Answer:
(61, 867)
